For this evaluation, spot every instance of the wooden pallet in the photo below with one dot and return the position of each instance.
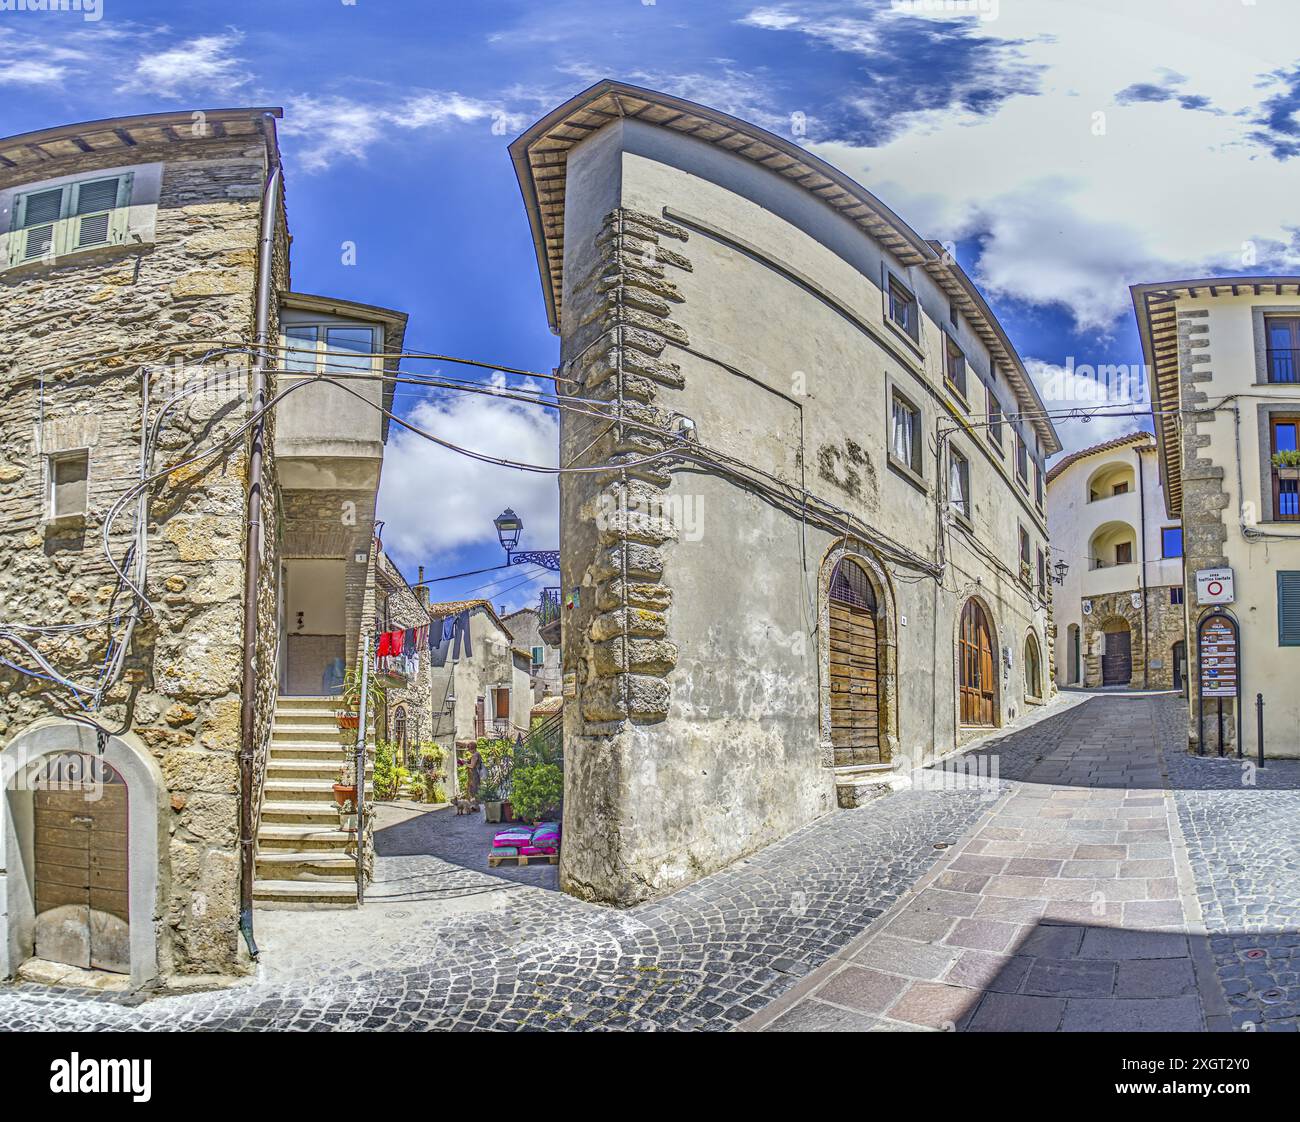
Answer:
(495, 859)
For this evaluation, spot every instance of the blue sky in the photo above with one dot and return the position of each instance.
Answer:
(1043, 140)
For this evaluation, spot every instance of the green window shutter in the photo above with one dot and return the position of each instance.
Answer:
(95, 205)
(1288, 608)
(36, 229)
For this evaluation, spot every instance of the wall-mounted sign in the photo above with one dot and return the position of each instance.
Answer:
(1214, 586)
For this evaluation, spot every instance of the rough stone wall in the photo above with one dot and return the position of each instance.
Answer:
(1163, 625)
(398, 603)
(616, 638)
(1205, 495)
(181, 691)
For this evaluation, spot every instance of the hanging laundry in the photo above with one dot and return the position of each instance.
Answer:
(461, 630)
(385, 645)
(395, 644)
(439, 643)
(408, 640)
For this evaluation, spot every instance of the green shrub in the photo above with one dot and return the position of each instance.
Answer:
(388, 778)
(537, 791)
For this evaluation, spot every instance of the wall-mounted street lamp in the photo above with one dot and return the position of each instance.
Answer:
(1061, 569)
(510, 528)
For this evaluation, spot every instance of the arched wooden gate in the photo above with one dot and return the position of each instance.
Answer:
(854, 668)
(977, 669)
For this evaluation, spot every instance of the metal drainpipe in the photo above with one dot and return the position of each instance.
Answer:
(1142, 572)
(253, 556)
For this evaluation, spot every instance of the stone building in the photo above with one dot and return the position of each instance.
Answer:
(150, 515)
(410, 714)
(1118, 611)
(1224, 355)
(816, 554)
(544, 661)
(487, 691)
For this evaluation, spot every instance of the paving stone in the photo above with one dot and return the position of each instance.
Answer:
(1155, 977)
(1004, 1012)
(906, 957)
(981, 970)
(869, 991)
(1050, 977)
(816, 1016)
(933, 1005)
(1160, 1014)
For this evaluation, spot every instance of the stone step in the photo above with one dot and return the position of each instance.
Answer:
(300, 811)
(325, 731)
(308, 716)
(310, 865)
(308, 769)
(318, 893)
(279, 837)
(301, 790)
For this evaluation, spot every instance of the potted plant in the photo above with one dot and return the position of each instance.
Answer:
(1287, 464)
(349, 713)
(345, 786)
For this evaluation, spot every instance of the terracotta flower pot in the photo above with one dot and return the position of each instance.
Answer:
(345, 793)
(348, 721)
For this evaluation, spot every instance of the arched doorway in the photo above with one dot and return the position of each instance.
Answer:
(855, 668)
(977, 669)
(1033, 668)
(1117, 654)
(96, 857)
(82, 869)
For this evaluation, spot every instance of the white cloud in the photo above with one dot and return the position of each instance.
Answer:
(200, 65)
(27, 72)
(1104, 401)
(437, 503)
(332, 128)
(1066, 216)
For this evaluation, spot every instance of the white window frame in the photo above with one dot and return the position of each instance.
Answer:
(321, 350)
(51, 493)
(65, 230)
(963, 506)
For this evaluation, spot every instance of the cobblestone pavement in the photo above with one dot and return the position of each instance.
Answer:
(1242, 829)
(1070, 907)
(442, 943)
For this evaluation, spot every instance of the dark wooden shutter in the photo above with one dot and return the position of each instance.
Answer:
(1288, 608)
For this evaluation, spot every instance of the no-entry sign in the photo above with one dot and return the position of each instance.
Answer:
(1214, 586)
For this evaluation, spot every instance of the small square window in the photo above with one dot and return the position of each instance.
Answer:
(905, 432)
(539, 656)
(1171, 541)
(69, 472)
(1176, 594)
(902, 308)
(1123, 553)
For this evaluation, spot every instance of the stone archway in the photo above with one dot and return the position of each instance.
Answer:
(879, 605)
(130, 761)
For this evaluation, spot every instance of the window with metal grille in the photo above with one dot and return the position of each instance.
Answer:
(1282, 348)
(1288, 608)
(1286, 467)
(850, 585)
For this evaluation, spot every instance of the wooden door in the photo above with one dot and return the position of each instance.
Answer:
(977, 686)
(854, 668)
(1117, 661)
(82, 867)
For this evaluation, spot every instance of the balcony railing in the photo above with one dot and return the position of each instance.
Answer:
(1286, 495)
(1102, 563)
(1283, 364)
(548, 606)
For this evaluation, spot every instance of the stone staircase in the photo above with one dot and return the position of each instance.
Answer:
(303, 858)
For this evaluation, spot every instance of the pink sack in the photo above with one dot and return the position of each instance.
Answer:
(535, 851)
